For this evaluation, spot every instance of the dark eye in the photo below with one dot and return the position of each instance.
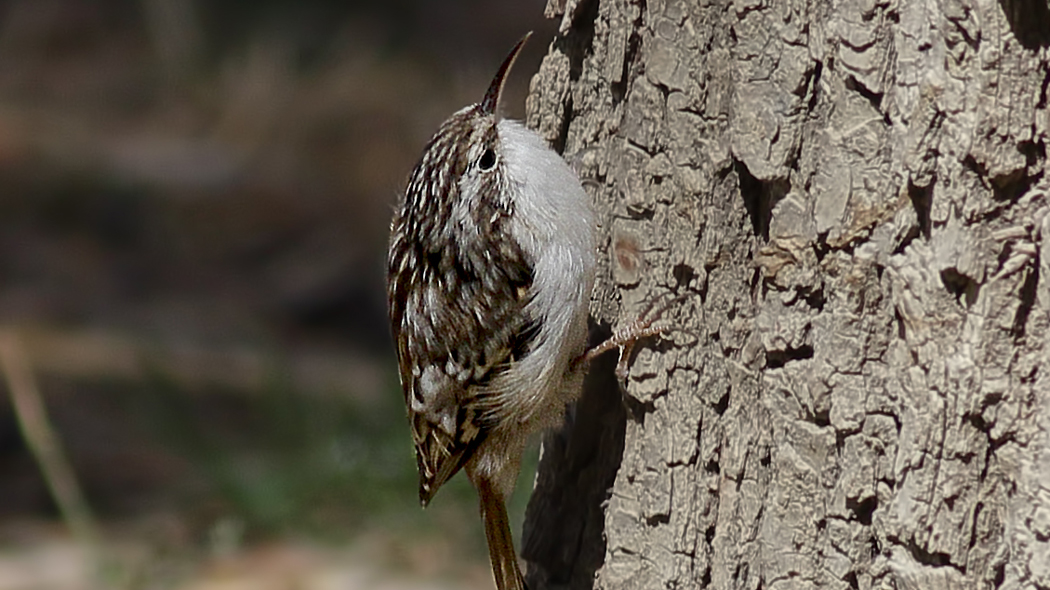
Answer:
(488, 160)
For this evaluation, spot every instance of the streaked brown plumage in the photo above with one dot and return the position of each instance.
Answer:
(490, 271)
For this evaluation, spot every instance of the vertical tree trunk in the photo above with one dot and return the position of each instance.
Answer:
(852, 196)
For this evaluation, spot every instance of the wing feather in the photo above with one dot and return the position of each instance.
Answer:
(458, 315)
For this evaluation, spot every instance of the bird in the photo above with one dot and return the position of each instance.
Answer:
(491, 264)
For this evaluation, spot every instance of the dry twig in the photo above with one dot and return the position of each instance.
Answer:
(44, 444)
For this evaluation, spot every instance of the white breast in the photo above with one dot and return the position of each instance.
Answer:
(555, 224)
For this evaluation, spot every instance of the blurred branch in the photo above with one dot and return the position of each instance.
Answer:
(45, 445)
(106, 355)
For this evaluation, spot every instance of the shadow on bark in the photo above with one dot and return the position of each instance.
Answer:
(1029, 20)
(576, 44)
(563, 538)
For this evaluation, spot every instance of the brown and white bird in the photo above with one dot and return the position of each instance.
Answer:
(490, 272)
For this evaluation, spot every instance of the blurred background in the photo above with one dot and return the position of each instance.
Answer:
(198, 388)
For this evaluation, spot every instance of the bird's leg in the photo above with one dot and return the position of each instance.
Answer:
(497, 531)
(626, 337)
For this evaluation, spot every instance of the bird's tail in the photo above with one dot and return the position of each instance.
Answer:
(497, 531)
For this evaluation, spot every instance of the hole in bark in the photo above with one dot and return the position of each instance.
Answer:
(778, 358)
(925, 557)
(851, 579)
(709, 534)
(991, 399)
(822, 418)
(765, 460)
(1000, 575)
(874, 546)
(723, 404)
(977, 421)
(950, 502)
(959, 285)
(705, 580)
(759, 197)
(683, 275)
(751, 192)
(921, 199)
(712, 466)
(1027, 303)
(863, 510)
(815, 300)
(1029, 20)
(822, 248)
(1035, 154)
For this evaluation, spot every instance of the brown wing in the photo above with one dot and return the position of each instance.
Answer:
(453, 335)
(457, 316)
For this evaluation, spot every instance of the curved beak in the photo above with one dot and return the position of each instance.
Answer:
(490, 103)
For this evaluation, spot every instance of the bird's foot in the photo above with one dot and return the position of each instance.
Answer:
(627, 336)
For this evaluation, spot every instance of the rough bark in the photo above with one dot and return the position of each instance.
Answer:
(852, 195)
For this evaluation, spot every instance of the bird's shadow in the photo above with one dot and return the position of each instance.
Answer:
(563, 538)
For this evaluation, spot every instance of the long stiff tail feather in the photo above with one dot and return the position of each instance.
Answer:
(501, 545)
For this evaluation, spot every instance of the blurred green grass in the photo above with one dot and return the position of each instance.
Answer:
(280, 463)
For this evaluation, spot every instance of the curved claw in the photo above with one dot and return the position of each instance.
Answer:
(626, 337)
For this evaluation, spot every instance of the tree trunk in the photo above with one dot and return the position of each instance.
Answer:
(852, 198)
